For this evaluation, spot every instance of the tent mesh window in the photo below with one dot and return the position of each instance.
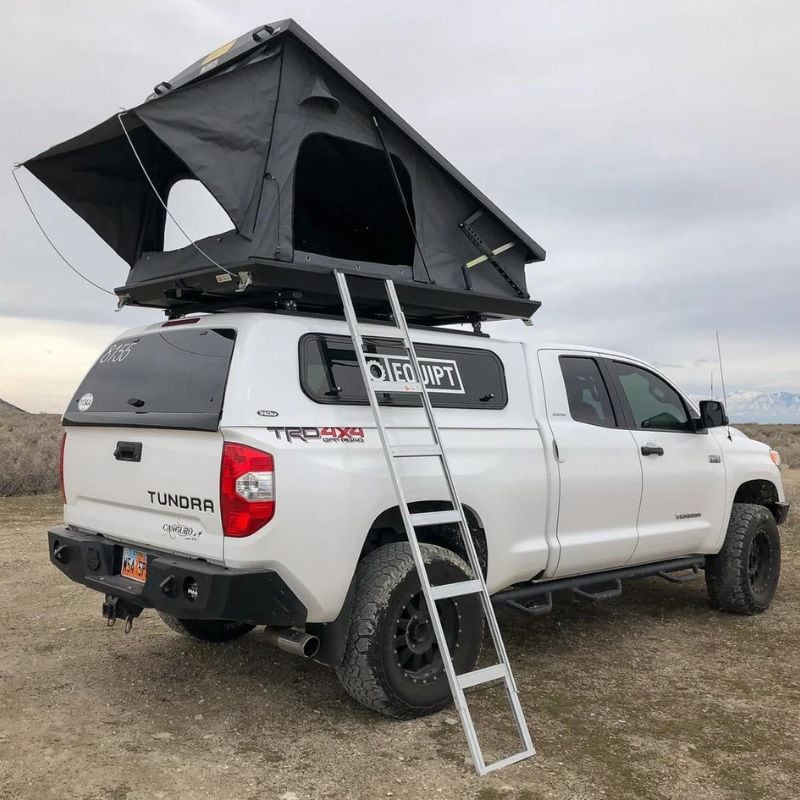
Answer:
(197, 211)
(346, 203)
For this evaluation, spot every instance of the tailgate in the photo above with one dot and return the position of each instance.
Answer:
(167, 500)
(143, 448)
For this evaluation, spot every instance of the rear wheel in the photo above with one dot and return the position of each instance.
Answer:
(207, 630)
(743, 576)
(392, 662)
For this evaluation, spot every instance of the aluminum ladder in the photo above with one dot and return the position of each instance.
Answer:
(412, 521)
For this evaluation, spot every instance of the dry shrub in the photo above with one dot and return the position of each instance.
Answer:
(29, 446)
(783, 438)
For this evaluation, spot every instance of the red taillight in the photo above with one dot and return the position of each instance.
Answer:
(247, 489)
(61, 465)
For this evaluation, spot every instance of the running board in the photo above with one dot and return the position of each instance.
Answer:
(519, 597)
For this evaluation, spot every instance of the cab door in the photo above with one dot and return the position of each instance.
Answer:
(683, 495)
(600, 477)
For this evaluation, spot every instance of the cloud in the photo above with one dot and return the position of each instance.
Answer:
(653, 150)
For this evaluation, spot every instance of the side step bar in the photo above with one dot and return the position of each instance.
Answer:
(519, 597)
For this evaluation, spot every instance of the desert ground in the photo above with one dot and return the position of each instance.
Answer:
(652, 695)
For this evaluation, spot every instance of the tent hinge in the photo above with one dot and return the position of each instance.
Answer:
(487, 254)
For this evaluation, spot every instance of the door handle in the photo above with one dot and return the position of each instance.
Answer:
(128, 451)
(652, 450)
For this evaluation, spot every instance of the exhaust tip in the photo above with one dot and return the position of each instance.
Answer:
(293, 640)
(310, 646)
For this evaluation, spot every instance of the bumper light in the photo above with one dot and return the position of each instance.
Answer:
(191, 589)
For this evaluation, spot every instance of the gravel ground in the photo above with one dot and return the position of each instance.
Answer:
(650, 696)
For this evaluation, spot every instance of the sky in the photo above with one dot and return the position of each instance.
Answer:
(652, 149)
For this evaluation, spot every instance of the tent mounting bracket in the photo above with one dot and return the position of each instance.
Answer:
(245, 280)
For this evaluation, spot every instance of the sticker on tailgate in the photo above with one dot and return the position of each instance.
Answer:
(177, 530)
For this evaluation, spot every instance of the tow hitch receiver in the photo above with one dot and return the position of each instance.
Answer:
(115, 607)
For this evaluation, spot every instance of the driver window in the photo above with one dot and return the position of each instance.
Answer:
(654, 403)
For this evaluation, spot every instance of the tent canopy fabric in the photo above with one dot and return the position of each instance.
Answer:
(314, 171)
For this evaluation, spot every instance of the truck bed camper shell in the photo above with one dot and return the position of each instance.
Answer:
(316, 173)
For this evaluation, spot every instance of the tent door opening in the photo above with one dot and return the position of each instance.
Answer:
(346, 204)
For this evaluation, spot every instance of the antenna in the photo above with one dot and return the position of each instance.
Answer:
(712, 384)
(722, 381)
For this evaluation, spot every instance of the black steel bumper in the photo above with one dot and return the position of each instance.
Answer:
(259, 597)
(781, 512)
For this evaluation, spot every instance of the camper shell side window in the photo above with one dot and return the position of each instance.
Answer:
(456, 377)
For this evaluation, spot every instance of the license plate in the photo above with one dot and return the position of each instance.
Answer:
(134, 564)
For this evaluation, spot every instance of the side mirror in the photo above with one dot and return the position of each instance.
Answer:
(712, 414)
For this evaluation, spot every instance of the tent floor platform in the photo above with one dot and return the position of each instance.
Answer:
(275, 285)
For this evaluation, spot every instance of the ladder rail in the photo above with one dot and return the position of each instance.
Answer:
(411, 521)
(416, 552)
(469, 544)
(488, 609)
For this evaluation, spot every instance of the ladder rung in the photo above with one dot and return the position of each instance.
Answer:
(435, 518)
(456, 589)
(505, 762)
(415, 450)
(385, 340)
(482, 675)
(404, 387)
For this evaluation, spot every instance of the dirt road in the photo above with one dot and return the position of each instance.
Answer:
(649, 696)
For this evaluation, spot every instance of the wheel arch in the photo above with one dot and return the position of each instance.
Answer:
(388, 527)
(759, 492)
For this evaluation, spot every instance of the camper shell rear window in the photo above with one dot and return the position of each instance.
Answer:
(164, 379)
(456, 377)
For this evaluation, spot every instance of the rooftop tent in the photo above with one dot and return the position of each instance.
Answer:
(314, 171)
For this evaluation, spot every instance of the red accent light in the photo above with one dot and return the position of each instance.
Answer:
(61, 465)
(241, 517)
(184, 321)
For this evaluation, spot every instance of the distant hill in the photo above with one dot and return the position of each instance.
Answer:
(8, 408)
(764, 407)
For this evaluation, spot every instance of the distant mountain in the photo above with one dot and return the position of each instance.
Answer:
(7, 408)
(751, 406)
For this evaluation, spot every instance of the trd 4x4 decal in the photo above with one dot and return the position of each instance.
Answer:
(307, 434)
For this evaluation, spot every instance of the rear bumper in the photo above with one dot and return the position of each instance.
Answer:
(260, 597)
(781, 512)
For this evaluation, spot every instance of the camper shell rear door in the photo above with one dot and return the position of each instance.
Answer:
(143, 447)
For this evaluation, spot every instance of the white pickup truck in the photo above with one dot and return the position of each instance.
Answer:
(226, 471)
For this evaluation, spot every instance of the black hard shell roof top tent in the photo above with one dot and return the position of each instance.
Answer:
(315, 172)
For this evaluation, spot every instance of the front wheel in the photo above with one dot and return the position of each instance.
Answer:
(743, 576)
(207, 630)
(392, 662)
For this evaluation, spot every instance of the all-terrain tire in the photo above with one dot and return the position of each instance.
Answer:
(743, 576)
(388, 627)
(207, 630)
